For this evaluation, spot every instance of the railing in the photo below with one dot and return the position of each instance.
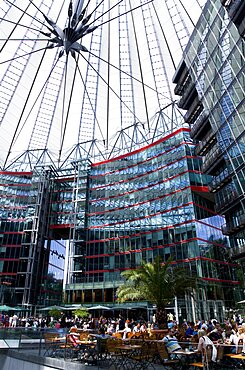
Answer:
(199, 125)
(218, 181)
(194, 111)
(206, 142)
(231, 227)
(228, 198)
(183, 80)
(188, 94)
(27, 338)
(212, 157)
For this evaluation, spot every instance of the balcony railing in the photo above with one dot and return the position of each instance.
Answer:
(229, 198)
(206, 143)
(220, 180)
(189, 93)
(194, 111)
(184, 80)
(232, 227)
(201, 123)
(212, 159)
(238, 252)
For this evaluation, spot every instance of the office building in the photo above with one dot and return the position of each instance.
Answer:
(211, 84)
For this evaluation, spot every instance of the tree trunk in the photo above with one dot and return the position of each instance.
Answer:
(161, 318)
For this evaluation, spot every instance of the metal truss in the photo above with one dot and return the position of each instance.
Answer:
(88, 79)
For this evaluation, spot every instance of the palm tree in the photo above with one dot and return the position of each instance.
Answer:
(156, 282)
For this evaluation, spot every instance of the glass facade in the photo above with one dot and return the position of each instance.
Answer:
(90, 222)
(215, 59)
(151, 202)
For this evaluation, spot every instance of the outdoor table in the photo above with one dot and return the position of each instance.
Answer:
(236, 358)
(185, 357)
(126, 352)
(87, 350)
(53, 345)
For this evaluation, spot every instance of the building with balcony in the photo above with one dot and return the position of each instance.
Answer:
(213, 62)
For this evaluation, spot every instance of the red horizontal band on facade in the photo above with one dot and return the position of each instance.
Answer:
(142, 162)
(186, 260)
(151, 232)
(154, 215)
(15, 184)
(12, 232)
(13, 173)
(9, 259)
(221, 280)
(124, 269)
(11, 245)
(135, 205)
(207, 209)
(162, 246)
(183, 129)
(146, 173)
(61, 226)
(151, 186)
(8, 273)
(14, 196)
(193, 188)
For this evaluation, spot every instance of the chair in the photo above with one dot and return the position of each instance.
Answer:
(71, 348)
(240, 346)
(163, 357)
(146, 356)
(50, 344)
(83, 335)
(117, 335)
(220, 356)
(113, 354)
(98, 354)
(206, 362)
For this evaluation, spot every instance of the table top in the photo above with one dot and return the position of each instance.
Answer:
(238, 356)
(186, 353)
(128, 347)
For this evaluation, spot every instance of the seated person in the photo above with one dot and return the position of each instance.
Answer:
(190, 330)
(136, 328)
(143, 328)
(203, 341)
(125, 331)
(171, 342)
(101, 334)
(73, 330)
(216, 334)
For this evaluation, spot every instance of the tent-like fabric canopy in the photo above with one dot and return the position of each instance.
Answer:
(6, 308)
(99, 307)
(49, 308)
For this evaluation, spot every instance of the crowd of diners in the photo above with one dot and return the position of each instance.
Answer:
(231, 331)
(197, 335)
(190, 336)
